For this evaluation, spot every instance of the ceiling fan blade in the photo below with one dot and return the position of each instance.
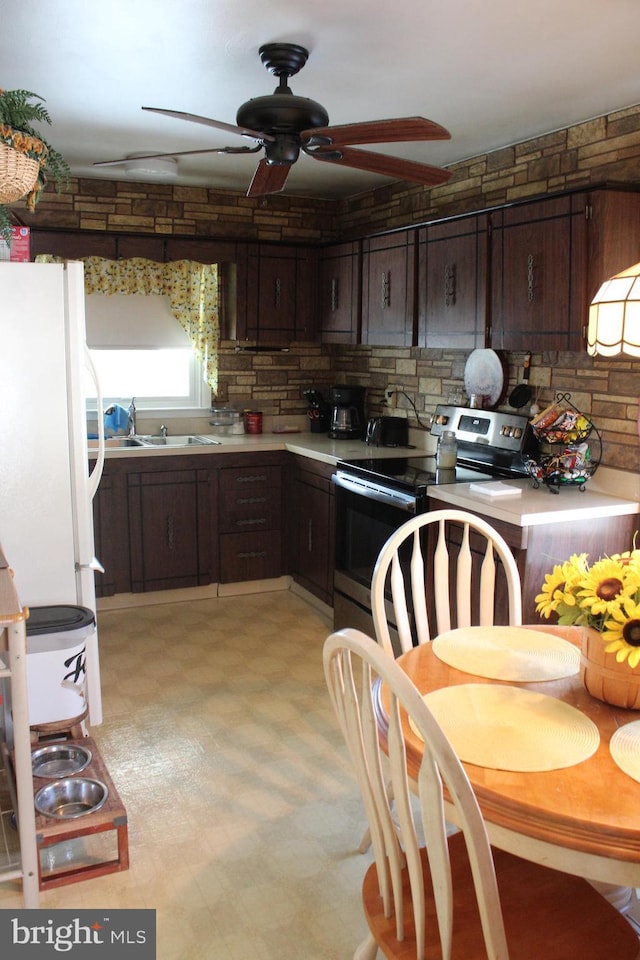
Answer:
(381, 131)
(218, 124)
(268, 178)
(177, 153)
(394, 167)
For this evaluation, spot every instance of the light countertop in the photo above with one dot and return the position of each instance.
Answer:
(608, 493)
(315, 446)
(533, 506)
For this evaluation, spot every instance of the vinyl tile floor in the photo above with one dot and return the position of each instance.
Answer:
(244, 817)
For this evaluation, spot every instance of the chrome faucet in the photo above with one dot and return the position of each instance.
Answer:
(163, 431)
(132, 417)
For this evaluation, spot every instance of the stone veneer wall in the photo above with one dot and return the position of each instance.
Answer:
(605, 149)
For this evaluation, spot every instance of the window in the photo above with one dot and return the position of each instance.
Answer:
(140, 350)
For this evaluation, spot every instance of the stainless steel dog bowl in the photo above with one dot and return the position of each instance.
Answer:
(59, 760)
(71, 797)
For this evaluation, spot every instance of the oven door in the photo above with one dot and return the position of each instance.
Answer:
(365, 519)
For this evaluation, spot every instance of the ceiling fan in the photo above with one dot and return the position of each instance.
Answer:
(284, 125)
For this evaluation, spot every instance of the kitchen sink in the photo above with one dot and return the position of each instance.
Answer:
(176, 440)
(111, 442)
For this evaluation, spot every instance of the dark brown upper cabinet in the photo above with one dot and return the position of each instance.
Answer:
(73, 245)
(339, 289)
(537, 275)
(452, 283)
(389, 289)
(613, 234)
(280, 294)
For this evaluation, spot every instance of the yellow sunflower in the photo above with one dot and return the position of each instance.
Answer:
(561, 584)
(605, 586)
(622, 632)
(630, 559)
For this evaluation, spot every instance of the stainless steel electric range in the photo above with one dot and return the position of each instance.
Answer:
(374, 496)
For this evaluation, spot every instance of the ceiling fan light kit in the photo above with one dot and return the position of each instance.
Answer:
(284, 125)
(160, 166)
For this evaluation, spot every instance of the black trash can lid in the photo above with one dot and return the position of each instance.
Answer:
(58, 618)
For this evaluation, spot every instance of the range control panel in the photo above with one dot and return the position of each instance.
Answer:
(491, 428)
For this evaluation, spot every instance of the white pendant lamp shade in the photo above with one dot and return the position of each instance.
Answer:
(614, 316)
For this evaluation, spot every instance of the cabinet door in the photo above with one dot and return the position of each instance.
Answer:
(111, 534)
(339, 272)
(613, 230)
(150, 248)
(73, 244)
(538, 275)
(204, 250)
(311, 530)
(312, 543)
(452, 283)
(388, 289)
(280, 294)
(169, 529)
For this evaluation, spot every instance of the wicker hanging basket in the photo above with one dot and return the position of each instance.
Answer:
(18, 174)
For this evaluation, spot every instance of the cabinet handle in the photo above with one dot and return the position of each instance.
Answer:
(251, 522)
(252, 478)
(252, 554)
(277, 286)
(449, 284)
(170, 532)
(386, 289)
(310, 536)
(241, 501)
(530, 268)
(334, 293)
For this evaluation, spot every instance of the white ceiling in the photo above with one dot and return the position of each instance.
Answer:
(494, 72)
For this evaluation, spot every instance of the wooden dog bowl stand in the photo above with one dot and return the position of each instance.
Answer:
(112, 816)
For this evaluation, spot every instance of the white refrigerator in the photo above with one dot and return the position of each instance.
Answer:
(46, 491)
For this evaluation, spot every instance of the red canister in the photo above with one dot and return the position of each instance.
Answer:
(253, 421)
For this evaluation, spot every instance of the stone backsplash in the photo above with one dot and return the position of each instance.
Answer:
(607, 391)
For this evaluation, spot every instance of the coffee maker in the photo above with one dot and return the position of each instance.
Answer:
(347, 412)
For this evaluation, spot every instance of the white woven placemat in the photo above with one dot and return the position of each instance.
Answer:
(508, 653)
(624, 747)
(508, 728)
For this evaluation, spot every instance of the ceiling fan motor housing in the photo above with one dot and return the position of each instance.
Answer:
(281, 113)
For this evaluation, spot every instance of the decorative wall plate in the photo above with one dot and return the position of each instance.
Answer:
(484, 376)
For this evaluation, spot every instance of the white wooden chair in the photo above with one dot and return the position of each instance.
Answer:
(458, 579)
(464, 901)
(460, 590)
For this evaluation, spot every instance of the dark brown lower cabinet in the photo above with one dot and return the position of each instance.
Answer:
(538, 548)
(250, 517)
(111, 538)
(169, 529)
(155, 524)
(311, 530)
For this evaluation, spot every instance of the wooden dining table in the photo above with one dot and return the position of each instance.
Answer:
(582, 819)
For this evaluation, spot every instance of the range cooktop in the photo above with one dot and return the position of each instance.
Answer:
(409, 473)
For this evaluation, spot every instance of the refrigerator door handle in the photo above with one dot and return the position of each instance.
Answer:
(94, 564)
(96, 474)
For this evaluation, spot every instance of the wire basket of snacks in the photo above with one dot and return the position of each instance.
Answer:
(569, 446)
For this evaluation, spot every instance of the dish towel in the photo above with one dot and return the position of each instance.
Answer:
(116, 418)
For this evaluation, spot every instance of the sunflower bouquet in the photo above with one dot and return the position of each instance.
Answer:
(604, 595)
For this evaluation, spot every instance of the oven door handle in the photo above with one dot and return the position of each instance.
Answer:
(394, 498)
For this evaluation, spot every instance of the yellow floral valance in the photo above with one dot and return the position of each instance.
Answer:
(192, 290)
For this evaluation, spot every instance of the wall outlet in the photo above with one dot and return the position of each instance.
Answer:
(390, 397)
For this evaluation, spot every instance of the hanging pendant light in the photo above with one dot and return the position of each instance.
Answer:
(614, 316)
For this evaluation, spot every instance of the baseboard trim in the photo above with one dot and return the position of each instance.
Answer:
(123, 601)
